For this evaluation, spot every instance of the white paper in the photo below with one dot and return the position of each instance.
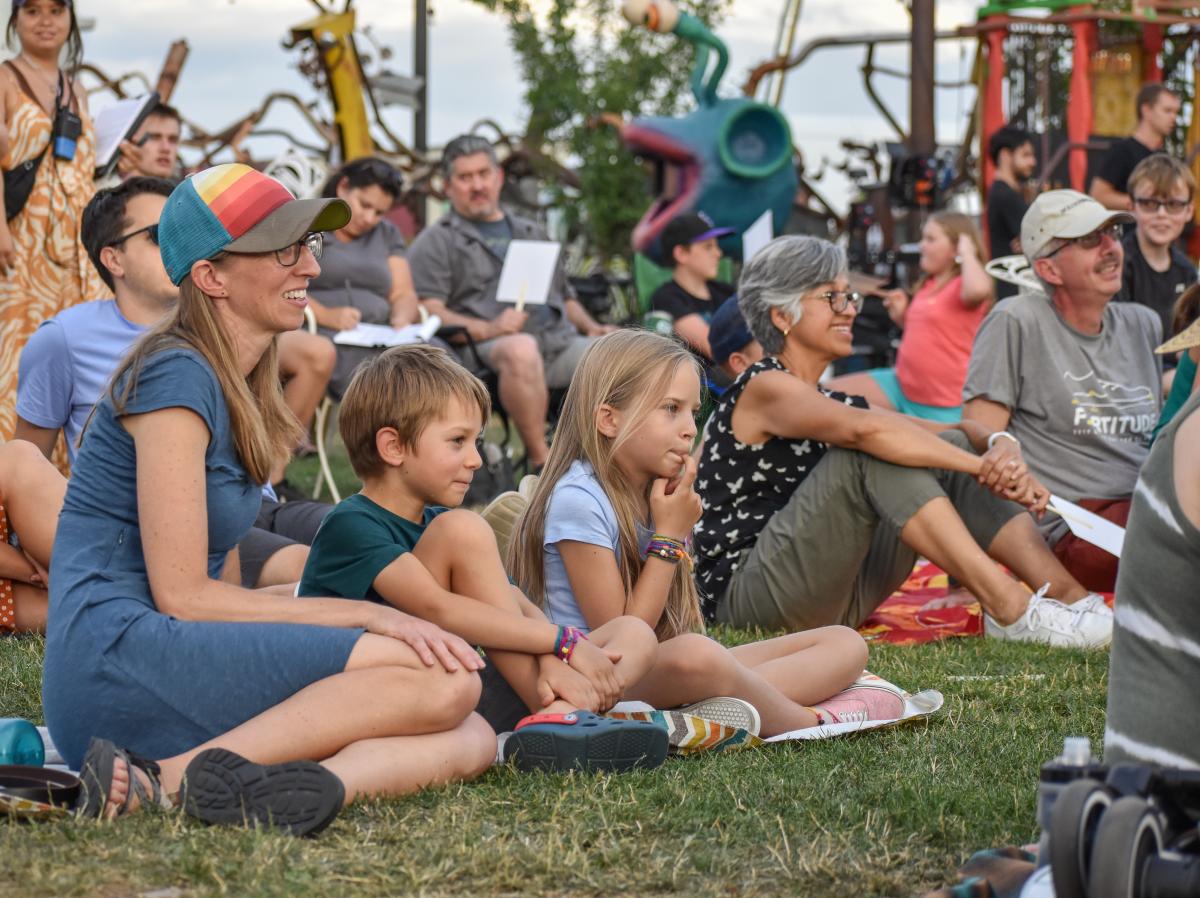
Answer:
(528, 271)
(1090, 526)
(757, 236)
(115, 123)
(373, 335)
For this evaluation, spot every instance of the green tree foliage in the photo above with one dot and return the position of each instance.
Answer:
(579, 59)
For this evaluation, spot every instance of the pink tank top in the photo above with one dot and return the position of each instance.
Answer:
(936, 347)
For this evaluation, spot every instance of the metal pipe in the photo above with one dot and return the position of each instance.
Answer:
(421, 71)
(922, 137)
(846, 40)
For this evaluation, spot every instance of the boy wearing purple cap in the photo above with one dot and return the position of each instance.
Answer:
(689, 244)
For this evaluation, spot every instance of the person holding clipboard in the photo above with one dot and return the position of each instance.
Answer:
(47, 153)
(457, 265)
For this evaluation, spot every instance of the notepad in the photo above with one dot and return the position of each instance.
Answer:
(376, 335)
(1089, 526)
(528, 272)
(116, 123)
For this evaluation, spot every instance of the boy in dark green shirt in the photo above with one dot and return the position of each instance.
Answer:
(410, 420)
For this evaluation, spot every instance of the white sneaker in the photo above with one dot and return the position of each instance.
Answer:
(727, 710)
(1050, 621)
(1093, 602)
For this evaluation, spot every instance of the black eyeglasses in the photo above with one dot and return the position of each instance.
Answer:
(290, 255)
(1152, 204)
(1092, 240)
(151, 232)
(840, 300)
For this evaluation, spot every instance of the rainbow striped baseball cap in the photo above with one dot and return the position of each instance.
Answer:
(233, 208)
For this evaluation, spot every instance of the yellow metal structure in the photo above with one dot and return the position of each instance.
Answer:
(1116, 79)
(332, 34)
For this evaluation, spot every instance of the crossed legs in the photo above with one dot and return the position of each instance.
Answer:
(386, 725)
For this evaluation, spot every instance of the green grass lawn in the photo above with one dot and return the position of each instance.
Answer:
(889, 813)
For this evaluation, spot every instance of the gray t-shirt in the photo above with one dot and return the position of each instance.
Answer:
(357, 273)
(497, 235)
(1082, 406)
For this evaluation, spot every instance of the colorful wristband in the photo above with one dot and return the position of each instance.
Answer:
(565, 642)
(668, 549)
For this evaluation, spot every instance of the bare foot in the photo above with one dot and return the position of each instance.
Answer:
(120, 788)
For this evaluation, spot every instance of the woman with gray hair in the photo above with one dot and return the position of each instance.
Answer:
(816, 506)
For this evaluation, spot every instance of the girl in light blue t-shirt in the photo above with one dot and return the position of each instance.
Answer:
(605, 535)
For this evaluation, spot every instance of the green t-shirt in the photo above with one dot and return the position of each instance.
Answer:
(357, 540)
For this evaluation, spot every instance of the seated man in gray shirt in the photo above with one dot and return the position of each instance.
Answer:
(1067, 377)
(456, 265)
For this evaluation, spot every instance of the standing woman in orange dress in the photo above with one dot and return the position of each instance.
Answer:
(43, 266)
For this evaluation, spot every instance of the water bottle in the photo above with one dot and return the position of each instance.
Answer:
(20, 743)
(1075, 762)
(660, 322)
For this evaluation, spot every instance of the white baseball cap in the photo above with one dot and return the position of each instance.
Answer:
(1063, 215)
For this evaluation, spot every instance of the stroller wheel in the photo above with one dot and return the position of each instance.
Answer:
(1077, 813)
(1130, 834)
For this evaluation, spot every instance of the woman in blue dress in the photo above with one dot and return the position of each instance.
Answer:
(258, 708)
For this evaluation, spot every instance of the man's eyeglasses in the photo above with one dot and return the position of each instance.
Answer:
(1150, 204)
(1092, 240)
(290, 255)
(151, 232)
(840, 300)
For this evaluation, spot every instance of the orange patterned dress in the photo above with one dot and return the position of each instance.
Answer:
(52, 270)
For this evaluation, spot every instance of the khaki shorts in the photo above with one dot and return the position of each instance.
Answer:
(559, 367)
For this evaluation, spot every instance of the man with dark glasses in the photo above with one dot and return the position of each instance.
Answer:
(1068, 379)
(67, 363)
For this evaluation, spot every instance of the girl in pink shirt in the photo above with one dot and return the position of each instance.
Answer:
(939, 323)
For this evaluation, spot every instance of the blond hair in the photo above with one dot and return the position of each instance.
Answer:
(406, 387)
(1163, 173)
(954, 225)
(630, 370)
(263, 428)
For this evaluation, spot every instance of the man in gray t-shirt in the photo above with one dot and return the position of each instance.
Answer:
(456, 264)
(1067, 378)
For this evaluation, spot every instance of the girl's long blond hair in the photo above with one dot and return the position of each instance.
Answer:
(630, 370)
(954, 225)
(262, 425)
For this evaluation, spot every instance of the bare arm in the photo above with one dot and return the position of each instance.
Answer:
(480, 329)
(984, 417)
(42, 437)
(976, 283)
(408, 585)
(1109, 196)
(170, 445)
(583, 321)
(403, 297)
(694, 331)
(336, 318)
(778, 404)
(593, 573)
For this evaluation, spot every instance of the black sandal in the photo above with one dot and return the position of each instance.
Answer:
(300, 798)
(96, 775)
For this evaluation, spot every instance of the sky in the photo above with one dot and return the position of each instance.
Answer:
(236, 59)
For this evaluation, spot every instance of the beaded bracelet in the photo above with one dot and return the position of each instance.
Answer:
(565, 642)
(668, 549)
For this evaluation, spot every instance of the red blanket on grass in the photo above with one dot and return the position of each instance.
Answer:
(900, 620)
